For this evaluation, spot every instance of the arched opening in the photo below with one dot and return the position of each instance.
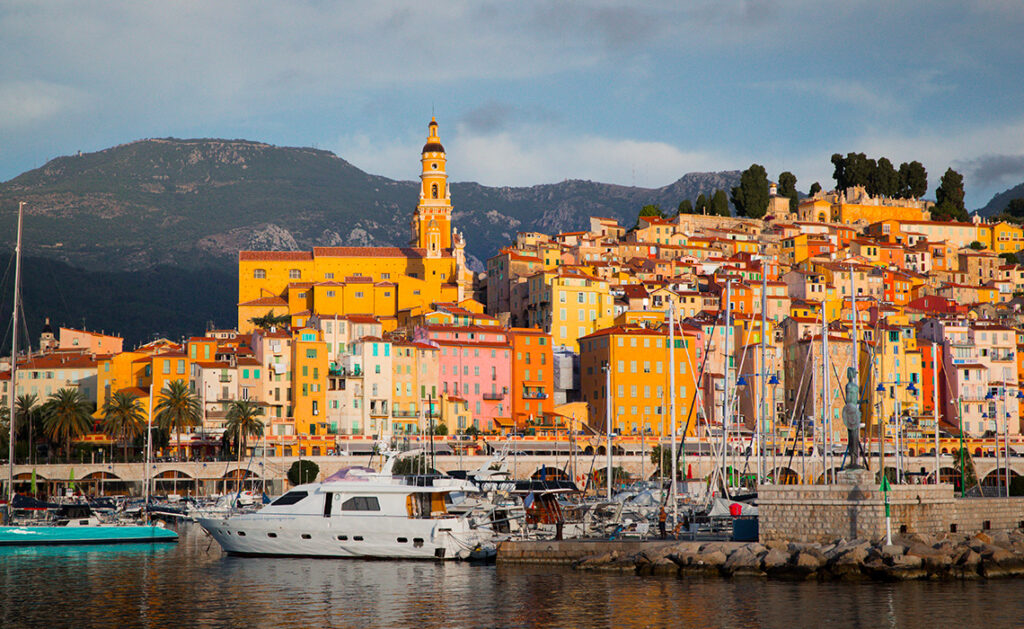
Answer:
(170, 481)
(241, 479)
(103, 483)
(822, 217)
(433, 191)
(995, 482)
(547, 472)
(784, 476)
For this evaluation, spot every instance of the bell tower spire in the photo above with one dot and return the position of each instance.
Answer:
(432, 221)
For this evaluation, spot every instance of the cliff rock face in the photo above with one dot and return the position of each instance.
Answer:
(195, 203)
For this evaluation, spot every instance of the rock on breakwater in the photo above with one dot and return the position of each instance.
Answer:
(909, 557)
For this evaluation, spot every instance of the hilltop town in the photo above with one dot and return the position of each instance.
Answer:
(340, 344)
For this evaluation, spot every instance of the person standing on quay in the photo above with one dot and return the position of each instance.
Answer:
(662, 516)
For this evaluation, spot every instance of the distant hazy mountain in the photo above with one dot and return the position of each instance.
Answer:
(193, 203)
(1001, 200)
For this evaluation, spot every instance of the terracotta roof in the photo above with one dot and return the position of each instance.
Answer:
(373, 252)
(265, 301)
(275, 255)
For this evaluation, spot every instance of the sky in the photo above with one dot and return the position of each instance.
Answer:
(528, 93)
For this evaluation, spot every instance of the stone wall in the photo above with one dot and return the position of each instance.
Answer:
(824, 513)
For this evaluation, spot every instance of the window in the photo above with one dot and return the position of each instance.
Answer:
(259, 274)
(330, 293)
(359, 294)
(385, 276)
(294, 274)
(360, 503)
(290, 498)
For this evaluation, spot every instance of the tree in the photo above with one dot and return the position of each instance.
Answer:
(123, 419)
(885, 180)
(913, 180)
(751, 196)
(242, 422)
(787, 188)
(661, 457)
(303, 471)
(951, 191)
(701, 206)
(412, 465)
(685, 207)
(66, 417)
(720, 204)
(977, 246)
(28, 415)
(970, 475)
(1011, 258)
(1015, 208)
(839, 171)
(440, 429)
(178, 409)
(651, 210)
(270, 320)
(815, 189)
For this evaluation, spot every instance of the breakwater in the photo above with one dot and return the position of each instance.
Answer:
(910, 557)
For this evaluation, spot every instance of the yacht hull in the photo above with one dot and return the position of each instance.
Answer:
(345, 537)
(74, 535)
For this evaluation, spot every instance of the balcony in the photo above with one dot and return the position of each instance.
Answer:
(225, 378)
(534, 395)
(494, 396)
(398, 413)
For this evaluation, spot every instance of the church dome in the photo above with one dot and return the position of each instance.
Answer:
(433, 147)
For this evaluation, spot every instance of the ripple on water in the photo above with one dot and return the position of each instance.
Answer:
(193, 584)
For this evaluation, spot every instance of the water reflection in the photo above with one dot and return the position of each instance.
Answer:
(193, 583)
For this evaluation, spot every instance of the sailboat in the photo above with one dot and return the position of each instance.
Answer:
(77, 524)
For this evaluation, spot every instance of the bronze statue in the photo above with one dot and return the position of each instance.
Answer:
(851, 417)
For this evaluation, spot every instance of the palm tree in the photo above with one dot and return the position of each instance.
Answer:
(270, 320)
(66, 416)
(27, 413)
(123, 419)
(242, 421)
(178, 409)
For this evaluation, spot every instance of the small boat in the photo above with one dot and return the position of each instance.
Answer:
(79, 526)
(360, 513)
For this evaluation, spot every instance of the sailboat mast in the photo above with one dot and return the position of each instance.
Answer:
(14, 363)
(672, 403)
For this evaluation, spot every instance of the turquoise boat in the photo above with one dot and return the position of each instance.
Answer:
(91, 533)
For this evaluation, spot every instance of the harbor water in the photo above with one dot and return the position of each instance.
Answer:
(193, 584)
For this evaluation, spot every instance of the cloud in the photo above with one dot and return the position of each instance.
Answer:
(25, 103)
(531, 154)
(494, 116)
(991, 169)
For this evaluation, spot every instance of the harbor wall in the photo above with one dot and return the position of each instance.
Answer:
(566, 552)
(825, 513)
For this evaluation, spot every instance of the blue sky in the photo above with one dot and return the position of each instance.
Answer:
(529, 93)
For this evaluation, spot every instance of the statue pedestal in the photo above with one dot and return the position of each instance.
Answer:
(856, 477)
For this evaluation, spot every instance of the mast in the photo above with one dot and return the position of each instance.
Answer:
(824, 395)
(726, 406)
(149, 451)
(672, 406)
(761, 414)
(14, 364)
(856, 357)
(935, 407)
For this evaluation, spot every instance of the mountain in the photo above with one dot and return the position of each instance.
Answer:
(162, 301)
(195, 203)
(1001, 200)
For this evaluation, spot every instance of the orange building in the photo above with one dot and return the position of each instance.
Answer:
(533, 375)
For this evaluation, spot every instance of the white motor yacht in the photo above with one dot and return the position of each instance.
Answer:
(359, 513)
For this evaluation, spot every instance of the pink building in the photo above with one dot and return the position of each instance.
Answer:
(92, 342)
(474, 364)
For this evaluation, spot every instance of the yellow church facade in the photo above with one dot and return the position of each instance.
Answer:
(391, 283)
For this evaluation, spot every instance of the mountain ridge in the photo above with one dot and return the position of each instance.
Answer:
(196, 202)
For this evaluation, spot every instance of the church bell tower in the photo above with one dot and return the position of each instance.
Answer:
(432, 221)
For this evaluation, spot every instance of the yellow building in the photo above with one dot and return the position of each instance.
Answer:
(378, 281)
(855, 205)
(1006, 238)
(568, 305)
(309, 379)
(639, 362)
